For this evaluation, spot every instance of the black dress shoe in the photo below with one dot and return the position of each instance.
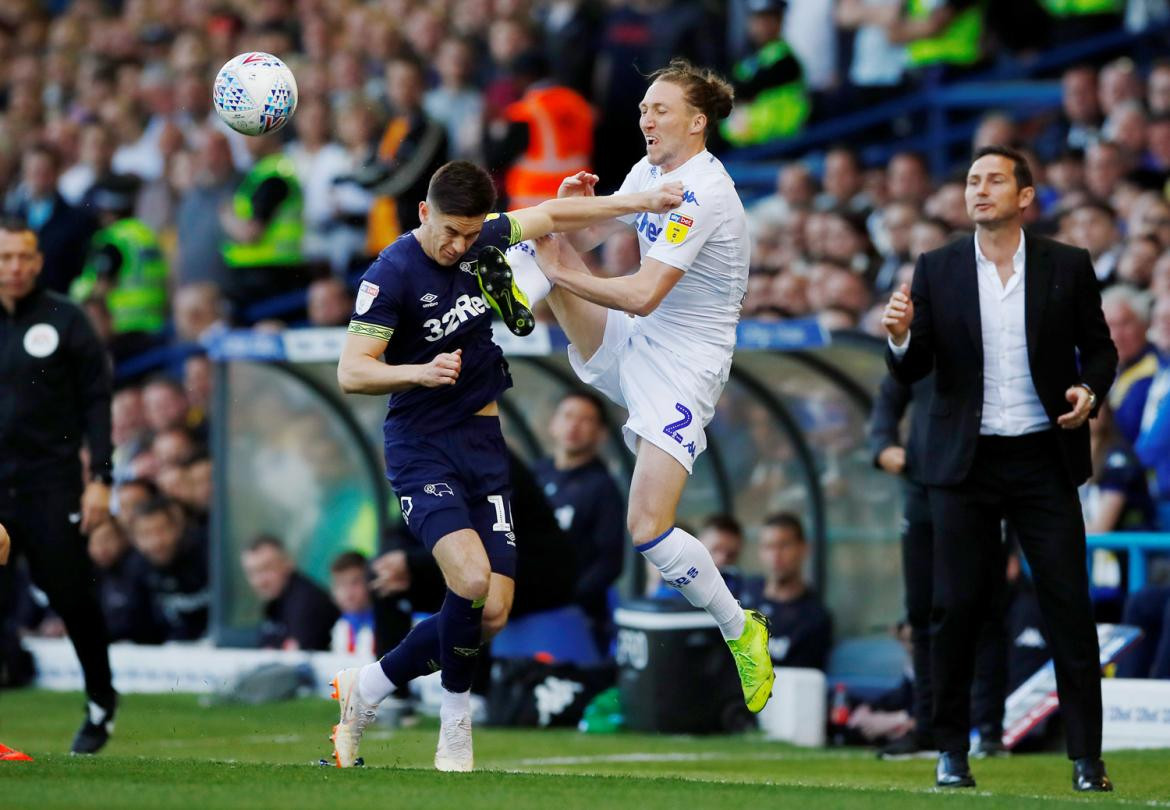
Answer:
(953, 771)
(990, 744)
(1089, 776)
(95, 731)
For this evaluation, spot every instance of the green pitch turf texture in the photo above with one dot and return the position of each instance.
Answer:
(171, 753)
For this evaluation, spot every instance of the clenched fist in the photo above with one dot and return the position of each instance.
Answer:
(898, 315)
(443, 370)
(665, 198)
(5, 543)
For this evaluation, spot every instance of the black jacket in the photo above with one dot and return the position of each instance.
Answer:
(55, 382)
(64, 242)
(1068, 344)
(884, 425)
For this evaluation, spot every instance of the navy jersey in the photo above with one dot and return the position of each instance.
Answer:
(425, 309)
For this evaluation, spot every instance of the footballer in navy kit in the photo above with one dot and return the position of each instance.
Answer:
(424, 305)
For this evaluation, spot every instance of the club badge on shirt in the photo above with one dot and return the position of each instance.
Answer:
(367, 292)
(678, 227)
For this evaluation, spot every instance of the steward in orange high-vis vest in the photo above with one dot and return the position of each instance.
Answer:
(560, 142)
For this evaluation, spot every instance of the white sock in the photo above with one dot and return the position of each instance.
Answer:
(686, 565)
(529, 277)
(373, 685)
(453, 705)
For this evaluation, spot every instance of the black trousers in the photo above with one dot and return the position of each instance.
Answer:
(989, 690)
(45, 530)
(1022, 479)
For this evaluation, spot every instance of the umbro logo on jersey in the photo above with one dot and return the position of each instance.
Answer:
(467, 267)
(429, 300)
(438, 490)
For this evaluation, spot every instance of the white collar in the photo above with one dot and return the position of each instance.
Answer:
(1017, 257)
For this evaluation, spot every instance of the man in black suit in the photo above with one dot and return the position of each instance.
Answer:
(63, 231)
(1013, 329)
(991, 657)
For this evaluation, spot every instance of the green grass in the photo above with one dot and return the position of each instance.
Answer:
(171, 753)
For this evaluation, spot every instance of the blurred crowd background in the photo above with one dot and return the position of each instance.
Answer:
(170, 228)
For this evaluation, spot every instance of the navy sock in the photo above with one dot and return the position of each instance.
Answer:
(460, 632)
(416, 655)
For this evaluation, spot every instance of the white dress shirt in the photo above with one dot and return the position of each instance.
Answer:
(1011, 406)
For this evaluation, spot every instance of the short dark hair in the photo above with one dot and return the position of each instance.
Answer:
(723, 522)
(1020, 169)
(12, 224)
(156, 505)
(347, 561)
(48, 150)
(265, 540)
(786, 520)
(590, 397)
(1097, 204)
(462, 189)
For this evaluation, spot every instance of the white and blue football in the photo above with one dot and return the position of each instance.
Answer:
(255, 93)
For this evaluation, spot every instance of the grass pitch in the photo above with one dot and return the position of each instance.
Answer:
(168, 752)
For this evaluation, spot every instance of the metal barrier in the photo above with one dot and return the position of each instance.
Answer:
(1138, 547)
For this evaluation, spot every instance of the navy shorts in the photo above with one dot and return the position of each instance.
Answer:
(457, 479)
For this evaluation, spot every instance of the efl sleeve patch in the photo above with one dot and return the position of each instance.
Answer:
(370, 330)
(367, 292)
(677, 228)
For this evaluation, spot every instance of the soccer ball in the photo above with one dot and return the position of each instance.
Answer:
(255, 93)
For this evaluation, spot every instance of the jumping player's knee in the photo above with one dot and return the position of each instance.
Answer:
(646, 524)
(471, 580)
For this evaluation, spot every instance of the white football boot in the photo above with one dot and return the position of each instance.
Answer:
(356, 714)
(454, 751)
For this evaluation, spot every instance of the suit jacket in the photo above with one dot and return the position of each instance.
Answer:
(1068, 344)
(890, 406)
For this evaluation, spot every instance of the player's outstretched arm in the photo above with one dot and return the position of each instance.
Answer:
(638, 294)
(572, 213)
(582, 184)
(361, 370)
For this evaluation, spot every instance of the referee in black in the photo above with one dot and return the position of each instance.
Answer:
(55, 386)
(1011, 325)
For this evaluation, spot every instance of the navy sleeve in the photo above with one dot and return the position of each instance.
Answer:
(376, 308)
(1119, 472)
(499, 231)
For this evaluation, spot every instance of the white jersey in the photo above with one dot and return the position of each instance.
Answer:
(707, 238)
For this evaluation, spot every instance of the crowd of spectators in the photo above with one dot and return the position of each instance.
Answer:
(110, 149)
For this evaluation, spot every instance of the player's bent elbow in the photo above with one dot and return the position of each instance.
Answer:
(643, 305)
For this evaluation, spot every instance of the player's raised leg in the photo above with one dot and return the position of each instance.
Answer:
(583, 321)
(686, 565)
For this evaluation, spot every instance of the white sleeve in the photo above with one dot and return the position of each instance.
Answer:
(899, 351)
(684, 232)
(631, 185)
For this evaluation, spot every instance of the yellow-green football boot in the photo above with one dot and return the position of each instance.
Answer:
(753, 660)
(499, 288)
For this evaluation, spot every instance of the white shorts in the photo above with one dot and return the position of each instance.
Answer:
(669, 400)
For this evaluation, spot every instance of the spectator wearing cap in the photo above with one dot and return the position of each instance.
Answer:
(772, 97)
(126, 266)
(62, 230)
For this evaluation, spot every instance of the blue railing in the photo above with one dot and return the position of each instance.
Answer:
(1138, 547)
(1009, 85)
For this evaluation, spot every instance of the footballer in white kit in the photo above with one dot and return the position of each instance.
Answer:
(659, 342)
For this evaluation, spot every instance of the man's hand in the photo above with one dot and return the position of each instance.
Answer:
(443, 370)
(552, 255)
(898, 315)
(665, 198)
(578, 185)
(1081, 401)
(391, 574)
(95, 505)
(892, 459)
(5, 545)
